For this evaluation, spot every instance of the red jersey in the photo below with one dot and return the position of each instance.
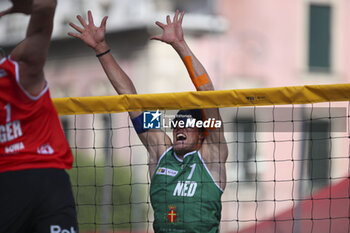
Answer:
(31, 134)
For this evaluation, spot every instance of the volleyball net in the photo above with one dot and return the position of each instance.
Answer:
(287, 169)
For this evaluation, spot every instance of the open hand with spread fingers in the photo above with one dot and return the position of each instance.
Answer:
(172, 30)
(89, 33)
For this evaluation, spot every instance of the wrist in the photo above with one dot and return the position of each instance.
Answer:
(181, 48)
(103, 53)
(101, 47)
(178, 45)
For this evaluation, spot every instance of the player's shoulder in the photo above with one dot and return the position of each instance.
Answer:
(168, 153)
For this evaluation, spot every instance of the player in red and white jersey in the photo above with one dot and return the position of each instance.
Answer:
(31, 135)
(36, 194)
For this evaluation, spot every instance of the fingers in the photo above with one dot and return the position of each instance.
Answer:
(90, 18)
(156, 38)
(176, 16)
(168, 19)
(81, 20)
(104, 22)
(161, 25)
(79, 29)
(5, 12)
(76, 35)
(181, 17)
(176, 19)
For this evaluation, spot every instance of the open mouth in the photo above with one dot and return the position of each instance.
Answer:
(180, 137)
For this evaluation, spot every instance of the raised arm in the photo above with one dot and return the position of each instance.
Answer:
(173, 35)
(31, 53)
(214, 149)
(156, 141)
(94, 37)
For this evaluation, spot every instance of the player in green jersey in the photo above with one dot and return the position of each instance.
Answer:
(188, 174)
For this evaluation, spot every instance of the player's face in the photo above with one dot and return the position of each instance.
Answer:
(186, 140)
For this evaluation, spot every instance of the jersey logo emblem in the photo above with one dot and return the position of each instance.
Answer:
(166, 171)
(2, 73)
(45, 149)
(172, 213)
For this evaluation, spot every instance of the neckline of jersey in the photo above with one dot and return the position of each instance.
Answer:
(187, 154)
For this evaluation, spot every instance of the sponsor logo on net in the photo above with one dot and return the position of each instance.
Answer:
(154, 120)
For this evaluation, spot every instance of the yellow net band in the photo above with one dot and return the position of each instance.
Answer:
(203, 99)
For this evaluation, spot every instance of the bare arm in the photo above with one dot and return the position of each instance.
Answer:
(156, 141)
(31, 53)
(214, 149)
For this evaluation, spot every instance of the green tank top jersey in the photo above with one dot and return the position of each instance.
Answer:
(184, 195)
